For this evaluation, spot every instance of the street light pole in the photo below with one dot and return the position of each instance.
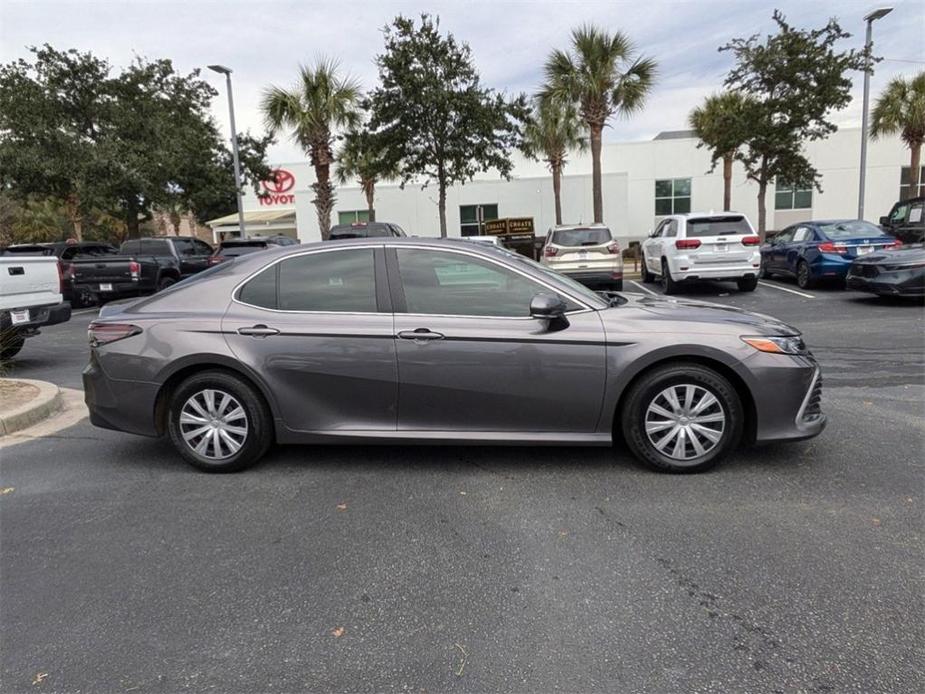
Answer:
(868, 45)
(221, 69)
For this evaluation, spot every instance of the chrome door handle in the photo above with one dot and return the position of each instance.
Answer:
(420, 334)
(258, 331)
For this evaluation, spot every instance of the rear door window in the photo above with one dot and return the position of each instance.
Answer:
(155, 247)
(717, 226)
(131, 248)
(342, 281)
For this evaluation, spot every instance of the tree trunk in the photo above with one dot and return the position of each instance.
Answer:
(598, 193)
(762, 210)
(324, 198)
(557, 191)
(727, 183)
(441, 206)
(369, 188)
(72, 208)
(915, 169)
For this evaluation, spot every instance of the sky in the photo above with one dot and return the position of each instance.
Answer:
(265, 41)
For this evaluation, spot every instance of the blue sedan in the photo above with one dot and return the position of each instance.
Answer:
(822, 249)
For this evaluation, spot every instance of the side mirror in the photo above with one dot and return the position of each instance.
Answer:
(884, 221)
(547, 307)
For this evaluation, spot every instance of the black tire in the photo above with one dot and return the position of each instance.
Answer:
(258, 422)
(646, 276)
(671, 287)
(804, 277)
(648, 389)
(747, 284)
(165, 282)
(11, 346)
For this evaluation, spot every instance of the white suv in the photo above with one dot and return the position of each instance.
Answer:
(702, 246)
(585, 252)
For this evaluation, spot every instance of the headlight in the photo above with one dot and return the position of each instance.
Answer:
(787, 344)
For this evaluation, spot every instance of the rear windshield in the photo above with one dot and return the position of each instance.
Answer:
(716, 226)
(854, 229)
(581, 237)
(359, 231)
(234, 250)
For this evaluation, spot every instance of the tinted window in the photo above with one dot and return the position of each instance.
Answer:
(581, 237)
(338, 281)
(786, 236)
(259, 291)
(855, 229)
(201, 247)
(131, 248)
(716, 226)
(150, 247)
(95, 251)
(435, 282)
(184, 247)
(671, 228)
(398, 231)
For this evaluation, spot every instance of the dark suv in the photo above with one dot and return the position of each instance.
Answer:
(365, 230)
(906, 220)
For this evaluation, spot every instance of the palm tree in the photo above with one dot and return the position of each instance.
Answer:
(720, 124)
(362, 159)
(901, 109)
(320, 104)
(553, 129)
(603, 77)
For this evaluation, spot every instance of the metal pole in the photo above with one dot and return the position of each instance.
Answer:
(237, 161)
(868, 45)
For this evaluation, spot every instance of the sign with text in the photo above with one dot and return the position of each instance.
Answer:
(509, 226)
(276, 190)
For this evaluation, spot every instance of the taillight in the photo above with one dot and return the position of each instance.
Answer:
(687, 244)
(104, 333)
(134, 269)
(750, 241)
(550, 251)
(829, 247)
(613, 248)
(895, 244)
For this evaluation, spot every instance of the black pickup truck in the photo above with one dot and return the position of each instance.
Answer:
(142, 266)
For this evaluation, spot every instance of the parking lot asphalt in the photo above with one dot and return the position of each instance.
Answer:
(791, 568)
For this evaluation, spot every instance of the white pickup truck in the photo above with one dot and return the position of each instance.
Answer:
(30, 297)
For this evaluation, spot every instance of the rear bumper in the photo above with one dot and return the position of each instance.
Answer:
(594, 276)
(120, 405)
(889, 284)
(40, 316)
(119, 289)
(686, 268)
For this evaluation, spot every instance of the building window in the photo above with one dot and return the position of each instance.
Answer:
(352, 216)
(790, 197)
(673, 196)
(905, 184)
(471, 216)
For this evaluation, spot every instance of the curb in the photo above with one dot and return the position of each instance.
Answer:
(47, 403)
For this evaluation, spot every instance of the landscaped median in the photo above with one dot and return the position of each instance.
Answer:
(24, 402)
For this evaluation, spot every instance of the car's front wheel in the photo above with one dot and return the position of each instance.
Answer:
(671, 286)
(218, 422)
(682, 418)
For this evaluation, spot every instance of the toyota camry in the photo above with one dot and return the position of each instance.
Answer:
(407, 340)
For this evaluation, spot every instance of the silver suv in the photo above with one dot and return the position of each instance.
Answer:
(585, 252)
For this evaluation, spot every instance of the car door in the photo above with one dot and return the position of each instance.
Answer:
(802, 240)
(652, 248)
(317, 328)
(192, 254)
(470, 358)
(777, 250)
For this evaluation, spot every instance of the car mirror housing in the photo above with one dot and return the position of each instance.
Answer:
(885, 221)
(547, 307)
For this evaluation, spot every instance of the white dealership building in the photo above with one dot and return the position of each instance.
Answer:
(642, 180)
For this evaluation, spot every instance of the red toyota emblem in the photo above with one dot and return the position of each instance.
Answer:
(282, 182)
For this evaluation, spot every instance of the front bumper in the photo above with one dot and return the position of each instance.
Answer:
(787, 394)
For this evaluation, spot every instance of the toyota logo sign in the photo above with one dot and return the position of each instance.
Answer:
(277, 189)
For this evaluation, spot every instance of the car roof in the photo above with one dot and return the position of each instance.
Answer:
(567, 227)
(688, 215)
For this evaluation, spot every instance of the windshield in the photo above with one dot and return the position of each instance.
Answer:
(717, 226)
(577, 289)
(581, 237)
(854, 229)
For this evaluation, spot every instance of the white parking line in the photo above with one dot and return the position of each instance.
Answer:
(647, 291)
(785, 289)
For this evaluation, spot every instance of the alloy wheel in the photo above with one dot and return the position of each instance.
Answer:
(213, 424)
(685, 421)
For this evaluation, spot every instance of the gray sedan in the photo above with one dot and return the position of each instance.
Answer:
(395, 340)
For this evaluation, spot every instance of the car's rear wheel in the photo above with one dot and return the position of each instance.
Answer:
(219, 422)
(10, 346)
(671, 287)
(747, 284)
(646, 276)
(682, 418)
(165, 282)
(804, 276)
